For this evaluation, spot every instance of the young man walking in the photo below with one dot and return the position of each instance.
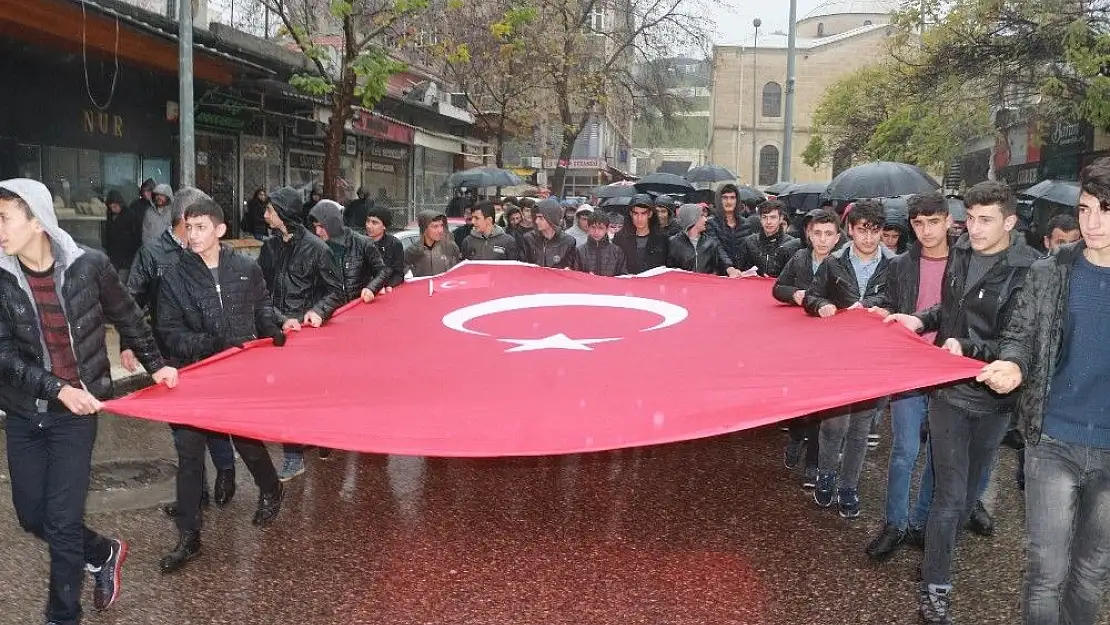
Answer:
(1055, 348)
(984, 274)
(548, 245)
(599, 255)
(436, 251)
(763, 250)
(378, 222)
(694, 250)
(641, 238)
(55, 299)
(853, 277)
(212, 300)
(487, 240)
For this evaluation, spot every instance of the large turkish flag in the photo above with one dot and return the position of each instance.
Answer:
(509, 359)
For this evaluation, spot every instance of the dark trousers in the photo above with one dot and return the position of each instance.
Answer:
(49, 469)
(807, 428)
(963, 443)
(190, 443)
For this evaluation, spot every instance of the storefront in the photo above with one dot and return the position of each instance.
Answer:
(385, 173)
(305, 167)
(433, 163)
(583, 176)
(83, 139)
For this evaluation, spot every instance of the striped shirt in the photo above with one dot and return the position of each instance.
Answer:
(55, 327)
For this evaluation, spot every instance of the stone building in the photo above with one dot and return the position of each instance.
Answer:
(749, 83)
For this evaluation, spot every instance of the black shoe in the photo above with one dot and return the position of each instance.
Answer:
(792, 456)
(1014, 440)
(915, 537)
(188, 548)
(225, 486)
(108, 579)
(886, 543)
(269, 504)
(325, 453)
(981, 522)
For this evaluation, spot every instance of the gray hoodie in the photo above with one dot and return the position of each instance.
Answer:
(158, 219)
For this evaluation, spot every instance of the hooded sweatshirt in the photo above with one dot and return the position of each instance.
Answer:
(580, 235)
(37, 311)
(442, 255)
(357, 260)
(158, 219)
(560, 251)
(121, 236)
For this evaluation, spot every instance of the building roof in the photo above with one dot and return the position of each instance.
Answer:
(841, 7)
(779, 41)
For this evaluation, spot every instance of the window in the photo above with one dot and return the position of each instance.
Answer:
(597, 18)
(768, 165)
(820, 29)
(772, 100)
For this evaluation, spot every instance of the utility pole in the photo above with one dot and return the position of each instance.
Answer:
(791, 77)
(186, 141)
(755, 100)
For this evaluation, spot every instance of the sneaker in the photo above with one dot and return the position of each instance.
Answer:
(886, 543)
(848, 500)
(934, 601)
(824, 491)
(872, 440)
(291, 467)
(792, 457)
(325, 453)
(108, 577)
(809, 482)
(980, 521)
(915, 537)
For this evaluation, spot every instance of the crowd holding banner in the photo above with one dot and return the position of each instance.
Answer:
(1037, 323)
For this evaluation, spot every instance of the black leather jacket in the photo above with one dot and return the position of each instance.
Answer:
(797, 275)
(835, 282)
(300, 274)
(976, 315)
(362, 266)
(92, 295)
(767, 254)
(393, 255)
(559, 252)
(152, 262)
(1034, 337)
(199, 318)
(601, 258)
(709, 257)
(731, 239)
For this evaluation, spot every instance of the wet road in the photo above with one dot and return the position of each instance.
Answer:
(706, 532)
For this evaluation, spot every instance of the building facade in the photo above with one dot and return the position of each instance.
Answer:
(749, 83)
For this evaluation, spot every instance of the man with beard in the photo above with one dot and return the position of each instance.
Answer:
(548, 245)
(641, 239)
(301, 276)
(763, 250)
(214, 299)
(984, 275)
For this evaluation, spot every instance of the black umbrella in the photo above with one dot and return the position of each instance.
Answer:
(778, 188)
(709, 173)
(881, 179)
(1056, 191)
(483, 177)
(802, 198)
(750, 195)
(658, 183)
(616, 204)
(614, 190)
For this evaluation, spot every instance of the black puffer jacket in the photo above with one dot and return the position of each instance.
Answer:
(601, 258)
(835, 282)
(1034, 337)
(393, 256)
(559, 252)
(199, 318)
(709, 256)
(497, 246)
(92, 295)
(299, 272)
(978, 318)
(766, 253)
(154, 259)
(797, 275)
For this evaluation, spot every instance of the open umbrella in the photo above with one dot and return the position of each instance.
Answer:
(777, 188)
(881, 179)
(483, 177)
(709, 173)
(616, 204)
(802, 198)
(663, 183)
(1063, 192)
(617, 189)
(750, 195)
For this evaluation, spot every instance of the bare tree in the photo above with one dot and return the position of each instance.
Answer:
(347, 42)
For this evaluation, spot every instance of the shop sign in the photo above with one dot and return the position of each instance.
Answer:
(385, 168)
(305, 160)
(583, 163)
(374, 126)
(102, 123)
(393, 154)
(350, 145)
(1019, 176)
(222, 111)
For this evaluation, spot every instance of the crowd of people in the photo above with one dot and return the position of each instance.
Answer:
(1037, 322)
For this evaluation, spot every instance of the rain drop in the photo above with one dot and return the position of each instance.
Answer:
(270, 378)
(581, 403)
(658, 418)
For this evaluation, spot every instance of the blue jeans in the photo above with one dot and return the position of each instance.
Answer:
(907, 415)
(1067, 496)
(49, 470)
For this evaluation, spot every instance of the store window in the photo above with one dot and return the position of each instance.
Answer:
(385, 175)
(431, 171)
(768, 165)
(262, 166)
(305, 168)
(772, 100)
(217, 171)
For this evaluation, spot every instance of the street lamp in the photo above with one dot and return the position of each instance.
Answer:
(755, 98)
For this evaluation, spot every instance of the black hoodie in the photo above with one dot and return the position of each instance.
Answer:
(299, 272)
(653, 251)
(122, 233)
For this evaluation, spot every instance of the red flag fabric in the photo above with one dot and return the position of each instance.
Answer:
(519, 360)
